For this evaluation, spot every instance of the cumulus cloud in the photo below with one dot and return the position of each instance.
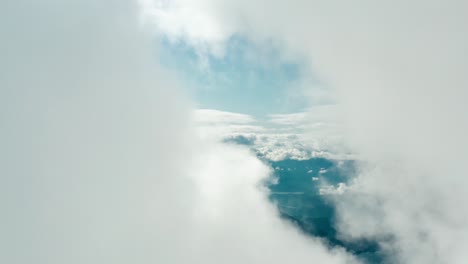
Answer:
(281, 136)
(398, 72)
(100, 162)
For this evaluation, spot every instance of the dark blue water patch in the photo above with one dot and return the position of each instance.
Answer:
(297, 195)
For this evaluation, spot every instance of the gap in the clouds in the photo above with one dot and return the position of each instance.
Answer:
(247, 77)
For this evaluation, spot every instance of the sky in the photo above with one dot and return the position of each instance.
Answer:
(245, 78)
(121, 121)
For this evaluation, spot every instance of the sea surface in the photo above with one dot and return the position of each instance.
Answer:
(296, 193)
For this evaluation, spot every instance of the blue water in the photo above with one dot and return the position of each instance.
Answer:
(298, 199)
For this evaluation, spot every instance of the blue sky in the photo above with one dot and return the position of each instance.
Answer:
(247, 78)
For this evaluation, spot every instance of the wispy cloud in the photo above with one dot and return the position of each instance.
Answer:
(212, 116)
(294, 119)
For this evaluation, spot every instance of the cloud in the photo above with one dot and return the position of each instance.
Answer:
(216, 117)
(95, 138)
(294, 119)
(398, 73)
(235, 221)
(332, 190)
(92, 132)
(100, 161)
(189, 20)
(279, 137)
(216, 124)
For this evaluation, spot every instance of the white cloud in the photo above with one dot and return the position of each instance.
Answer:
(218, 124)
(217, 117)
(99, 160)
(234, 219)
(333, 190)
(295, 119)
(94, 141)
(188, 20)
(93, 134)
(280, 137)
